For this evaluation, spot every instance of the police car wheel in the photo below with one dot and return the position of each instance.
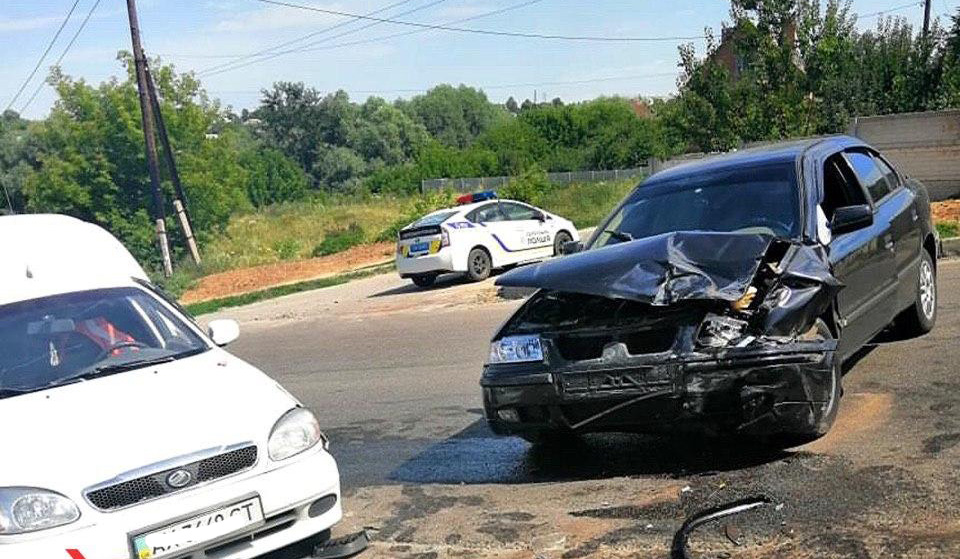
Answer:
(424, 280)
(478, 265)
(561, 239)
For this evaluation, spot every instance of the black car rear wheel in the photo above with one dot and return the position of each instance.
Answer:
(920, 317)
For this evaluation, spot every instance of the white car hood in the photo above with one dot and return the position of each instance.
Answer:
(69, 438)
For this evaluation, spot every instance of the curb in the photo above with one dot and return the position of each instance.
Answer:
(950, 248)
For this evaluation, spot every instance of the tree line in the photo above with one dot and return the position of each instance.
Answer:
(799, 69)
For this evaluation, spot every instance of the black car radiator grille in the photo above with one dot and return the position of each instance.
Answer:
(126, 493)
(583, 347)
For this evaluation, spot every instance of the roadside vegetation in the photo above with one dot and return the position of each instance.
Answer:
(308, 173)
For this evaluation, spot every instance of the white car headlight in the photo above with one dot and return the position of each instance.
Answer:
(27, 509)
(298, 430)
(516, 349)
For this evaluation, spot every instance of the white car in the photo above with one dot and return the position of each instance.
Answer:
(478, 236)
(127, 431)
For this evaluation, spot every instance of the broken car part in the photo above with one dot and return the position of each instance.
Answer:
(679, 548)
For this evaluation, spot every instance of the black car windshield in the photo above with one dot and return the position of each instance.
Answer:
(756, 199)
(63, 338)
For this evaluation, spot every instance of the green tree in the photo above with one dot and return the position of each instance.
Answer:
(456, 116)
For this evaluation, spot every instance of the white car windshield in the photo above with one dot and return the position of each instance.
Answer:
(55, 340)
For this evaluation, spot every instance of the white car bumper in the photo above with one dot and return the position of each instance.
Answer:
(286, 494)
(439, 262)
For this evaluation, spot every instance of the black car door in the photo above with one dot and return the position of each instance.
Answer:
(861, 259)
(901, 206)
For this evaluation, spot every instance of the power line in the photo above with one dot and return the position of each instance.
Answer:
(496, 33)
(890, 10)
(484, 87)
(379, 38)
(301, 38)
(309, 48)
(230, 66)
(63, 54)
(44, 55)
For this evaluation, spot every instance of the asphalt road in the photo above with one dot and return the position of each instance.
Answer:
(392, 373)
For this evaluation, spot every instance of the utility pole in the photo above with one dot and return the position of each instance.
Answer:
(926, 17)
(146, 114)
(180, 200)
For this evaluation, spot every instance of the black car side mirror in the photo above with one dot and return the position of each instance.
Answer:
(851, 218)
(571, 247)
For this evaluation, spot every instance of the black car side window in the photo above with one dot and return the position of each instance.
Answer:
(869, 174)
(840, 187)
(892, 178)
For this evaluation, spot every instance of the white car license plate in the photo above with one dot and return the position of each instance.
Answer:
(199, 530)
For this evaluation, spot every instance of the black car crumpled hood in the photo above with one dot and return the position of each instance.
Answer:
(658, 270)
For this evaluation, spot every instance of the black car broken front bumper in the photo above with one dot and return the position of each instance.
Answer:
(769, 389)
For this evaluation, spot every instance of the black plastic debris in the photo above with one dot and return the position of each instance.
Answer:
(679, 548)
(340, 548)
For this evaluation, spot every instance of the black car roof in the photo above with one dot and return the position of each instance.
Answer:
(775, 152)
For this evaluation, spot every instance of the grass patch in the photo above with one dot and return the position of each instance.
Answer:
(206, 307)
(291, 231)
(948, 229)
(330, 224)
(340, 240)
(588, 203)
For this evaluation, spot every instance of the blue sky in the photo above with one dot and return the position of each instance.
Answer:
(196, 34)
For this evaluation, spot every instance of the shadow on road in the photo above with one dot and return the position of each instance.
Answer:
(475, 455)
(445, 281)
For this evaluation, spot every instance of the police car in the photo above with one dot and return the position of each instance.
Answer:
(481, 234)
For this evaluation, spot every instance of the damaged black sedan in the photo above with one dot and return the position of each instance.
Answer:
(720, 297)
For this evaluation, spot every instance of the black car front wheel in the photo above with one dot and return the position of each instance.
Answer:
(824, 414)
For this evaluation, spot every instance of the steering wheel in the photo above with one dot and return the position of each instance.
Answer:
(121, 345)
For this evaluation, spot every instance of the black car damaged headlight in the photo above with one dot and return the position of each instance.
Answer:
(718, 331)
(516, 349)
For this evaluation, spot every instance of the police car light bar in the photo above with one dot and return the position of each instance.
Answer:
(476, 197)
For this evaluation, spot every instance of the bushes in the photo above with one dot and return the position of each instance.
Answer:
(532, 187)
(340, 240)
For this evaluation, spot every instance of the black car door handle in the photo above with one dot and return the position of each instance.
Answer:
(888, 243)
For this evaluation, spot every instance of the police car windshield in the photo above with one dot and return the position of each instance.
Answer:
(757, 199)
(45, 342)
(434, 219)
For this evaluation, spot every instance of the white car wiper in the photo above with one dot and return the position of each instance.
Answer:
(112, 369)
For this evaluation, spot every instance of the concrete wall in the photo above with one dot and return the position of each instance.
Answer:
(923, 145)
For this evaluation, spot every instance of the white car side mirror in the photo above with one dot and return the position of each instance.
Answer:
(223, 331)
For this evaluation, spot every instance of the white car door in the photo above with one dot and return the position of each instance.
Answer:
(530, 232)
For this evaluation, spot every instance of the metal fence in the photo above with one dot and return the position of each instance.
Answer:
(494, 183)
